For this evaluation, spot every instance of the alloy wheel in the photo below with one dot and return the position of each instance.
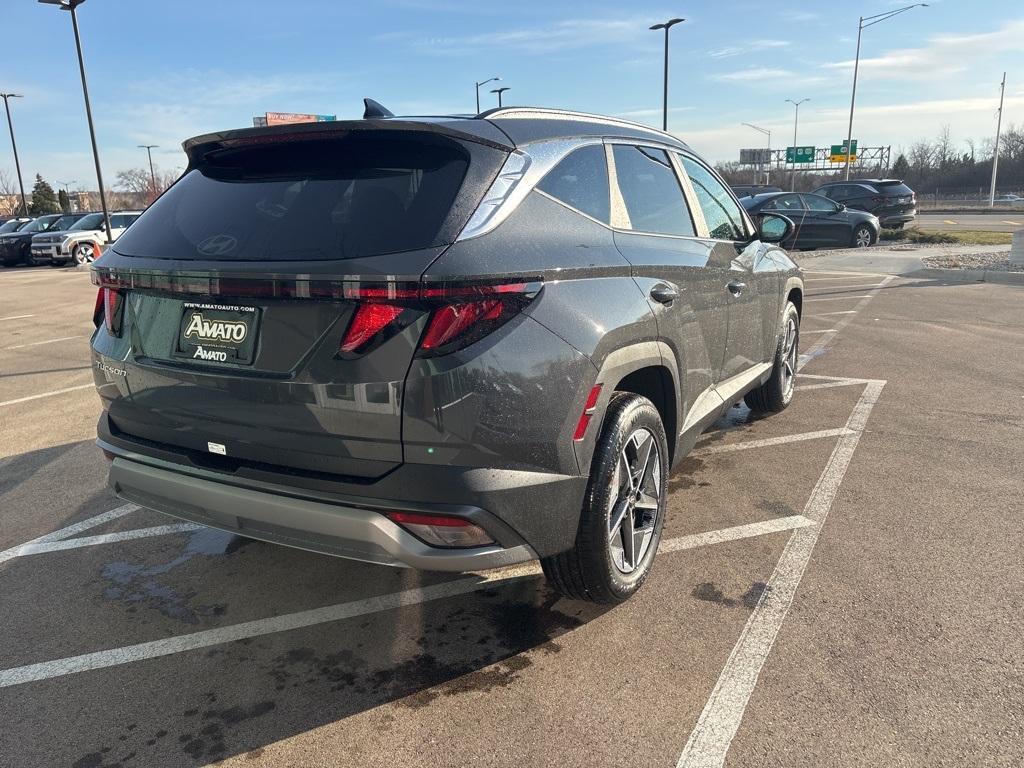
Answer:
(85, 254)
(789, 355)
(636, 505)
(862, 237)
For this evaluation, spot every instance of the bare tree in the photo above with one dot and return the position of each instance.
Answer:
(921, 155)
(10, 200)
(943, 147)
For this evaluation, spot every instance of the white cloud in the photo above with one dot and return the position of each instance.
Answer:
(754, 74)
(753, 45)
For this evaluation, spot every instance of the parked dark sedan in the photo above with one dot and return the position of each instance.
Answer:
(892, 201)
(16, 247)
(820, 222)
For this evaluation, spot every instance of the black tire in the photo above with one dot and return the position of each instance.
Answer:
(777, 393)
(863, 236)
(589, 570)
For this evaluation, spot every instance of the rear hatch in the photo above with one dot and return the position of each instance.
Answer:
(895, 197)
(250, 302)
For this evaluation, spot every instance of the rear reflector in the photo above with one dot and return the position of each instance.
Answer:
(441, 531)
(588, 411)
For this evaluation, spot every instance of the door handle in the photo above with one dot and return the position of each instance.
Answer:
(664, 294)
(736, 287)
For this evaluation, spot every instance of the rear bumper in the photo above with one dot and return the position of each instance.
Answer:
(342, 529)
(889, 219)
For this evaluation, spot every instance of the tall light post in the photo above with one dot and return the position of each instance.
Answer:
(149, 151)
(664, 96)
(878, 18)
(796, 119)
(67, 191)
(482, 82)
(71, 6)
(766, 132)
(17, 165)
(995, 153)
(500, 91)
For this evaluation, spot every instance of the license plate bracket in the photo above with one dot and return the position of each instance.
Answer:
(218, 333)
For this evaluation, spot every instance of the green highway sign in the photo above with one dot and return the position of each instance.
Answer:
(838, 152)
(800, 154)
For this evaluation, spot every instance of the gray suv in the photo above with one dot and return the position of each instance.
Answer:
(450, 343)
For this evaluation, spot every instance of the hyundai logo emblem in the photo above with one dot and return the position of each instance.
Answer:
(217, 245)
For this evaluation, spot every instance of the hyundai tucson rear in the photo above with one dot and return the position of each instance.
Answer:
(412, 342)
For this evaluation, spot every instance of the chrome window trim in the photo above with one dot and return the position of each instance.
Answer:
(524, 168)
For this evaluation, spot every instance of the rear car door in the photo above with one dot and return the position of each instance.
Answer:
(656, 233)
(824, 222)
(749, 278)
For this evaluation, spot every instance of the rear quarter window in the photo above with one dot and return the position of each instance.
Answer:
(361, 194)
(580, 181)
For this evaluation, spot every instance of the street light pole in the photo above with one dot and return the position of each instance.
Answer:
(995, 154)
(152, 174)
(71, 5)
(17, 165)
(482, 82)
(796, 119)
(500, 91)
(766, 132)
(878, 18)
(664, 97)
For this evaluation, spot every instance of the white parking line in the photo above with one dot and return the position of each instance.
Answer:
(826, 338)
(106, 538)
(15, 317)
(720, 720)
(770, 441)
(842, 312)
(167, 646)
(46, 394)
(48, 341)
(834, 288)
(70, 530)
(825, 330)
(840, 298)
(826, 385)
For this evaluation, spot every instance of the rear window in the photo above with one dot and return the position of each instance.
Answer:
(361, 194)
(893, 188)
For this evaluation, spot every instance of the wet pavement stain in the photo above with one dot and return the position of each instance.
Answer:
(779, 508)
(710, 593)
(685, 475)
(138, 584)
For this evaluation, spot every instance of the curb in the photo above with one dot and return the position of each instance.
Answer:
(970, 275)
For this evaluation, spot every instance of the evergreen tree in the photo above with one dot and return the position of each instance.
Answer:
(64, 201)
(44, 199)
(901, 168)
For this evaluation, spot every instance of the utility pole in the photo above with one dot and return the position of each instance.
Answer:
(152, 174)
(664, 96)
(17, 165)
(995, 156)
(796, 119)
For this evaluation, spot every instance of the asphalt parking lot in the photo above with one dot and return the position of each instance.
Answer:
(839, 584)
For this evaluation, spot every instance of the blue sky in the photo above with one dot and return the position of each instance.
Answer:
(161, 71)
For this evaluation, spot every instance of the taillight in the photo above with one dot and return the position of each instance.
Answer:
(440, 530)
(877, 199)
(109, 309)
(459, 314)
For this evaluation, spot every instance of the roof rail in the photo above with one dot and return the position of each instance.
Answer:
(554, 114)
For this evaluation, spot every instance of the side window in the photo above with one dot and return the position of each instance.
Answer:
(580, 180)
(784, 203)
(651, 192)
(721, 211)
(819, 203)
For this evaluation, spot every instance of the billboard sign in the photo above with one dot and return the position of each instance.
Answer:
(287, 118)
(759, 156)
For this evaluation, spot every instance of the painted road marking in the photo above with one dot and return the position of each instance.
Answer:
(71, 530)
(106, 538)
(841, 298)
(826, 338)
(167, 646)
(770, 441)
(826, 385)
(15, 317)
(842, 273)
(46, 394)
(1014, 223)
(842, 312)
(834, 288)
(720, 720)
(948, 221)
(826, 330)
(48, 341)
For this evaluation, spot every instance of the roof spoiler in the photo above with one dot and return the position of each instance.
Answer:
(374, 109)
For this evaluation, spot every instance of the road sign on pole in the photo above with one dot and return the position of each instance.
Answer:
(838, 152)
(800, 154)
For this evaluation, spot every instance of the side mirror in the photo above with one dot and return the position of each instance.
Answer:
(774, 227)
(842, 206)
